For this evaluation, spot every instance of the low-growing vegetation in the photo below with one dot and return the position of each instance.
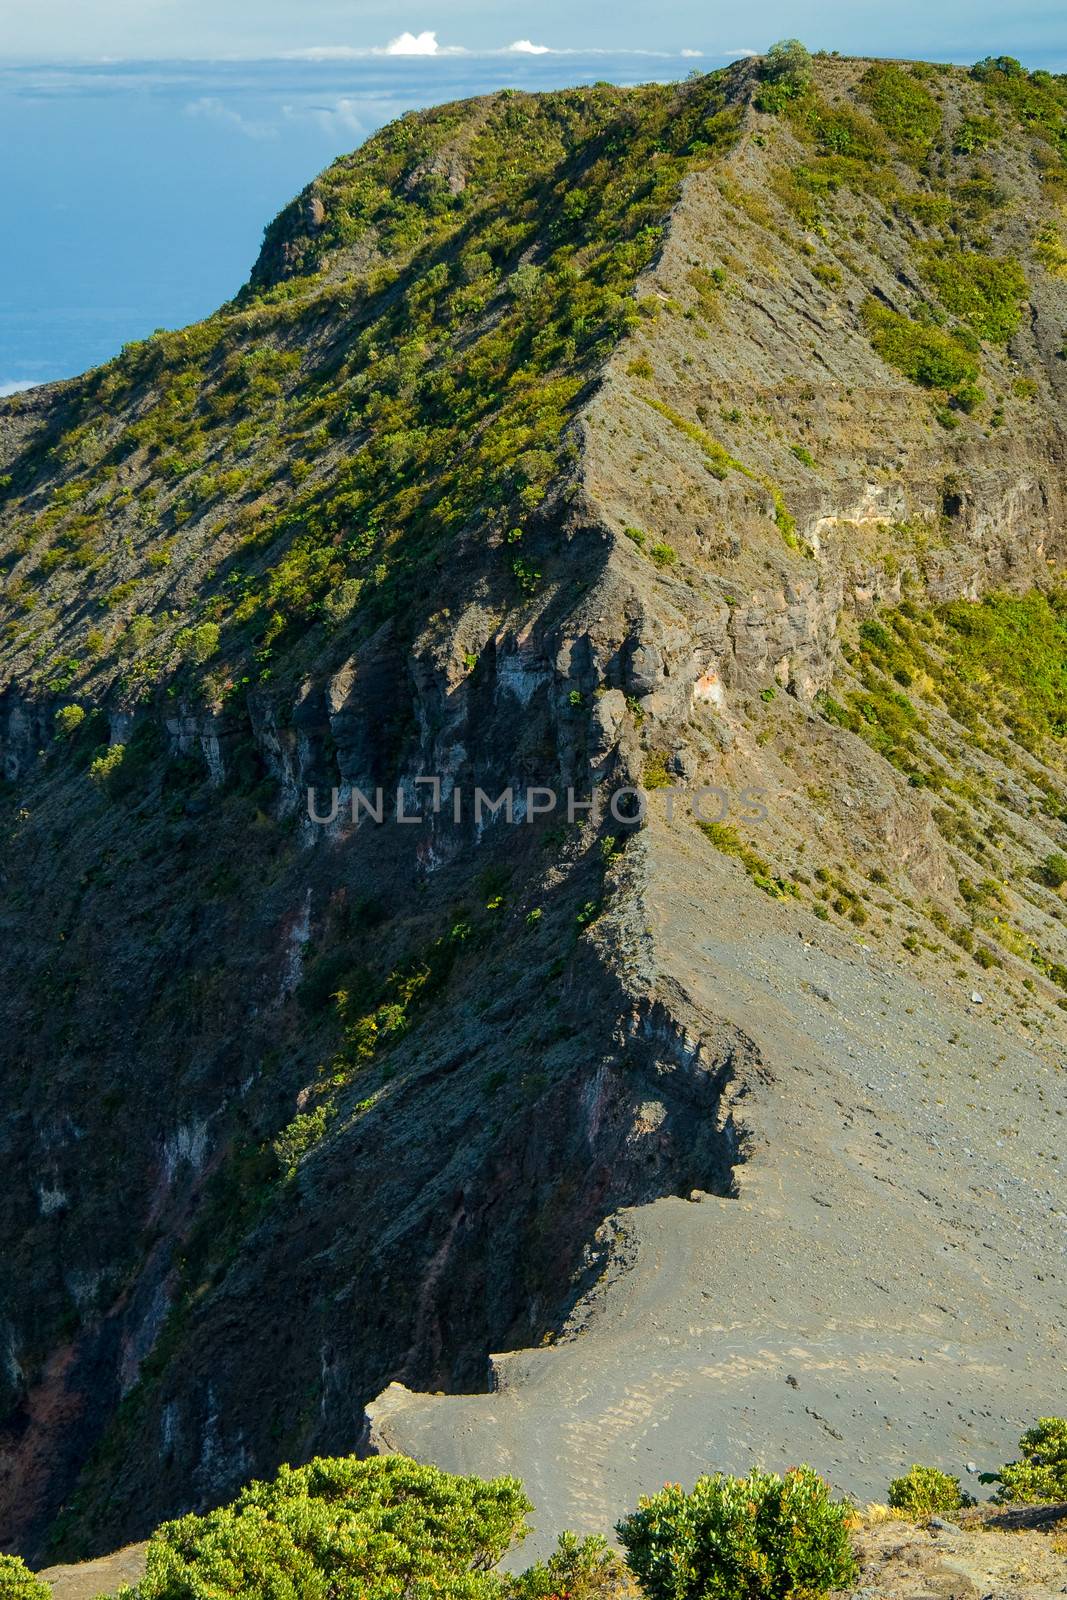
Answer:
(925, 354)
(17, 1582)
(997, 661)
(763, 1537)
(726, 839)
(720, 463)
(903, 106)
(927, 1492)
(1040, 1474)
(985, 292)
(342, 1529)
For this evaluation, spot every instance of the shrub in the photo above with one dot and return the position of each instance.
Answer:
(68, 720)
(985, 292)
(17, 1582)
(786, 71)
(1050, 250)
(105, 768)
(926, 1492)
(929, 357)
(299, 1136)
(741, 1539)
(969, 398)
(578, 1569)
(975, 133)
(788, 61)
(139, 633)
(1007, 66)
(342, 1529)
(204, 641)
(1054, 870)
(1041, 1475)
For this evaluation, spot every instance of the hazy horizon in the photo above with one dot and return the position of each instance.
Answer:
(138, 190)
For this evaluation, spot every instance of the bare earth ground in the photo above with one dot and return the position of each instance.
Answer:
(888, 1287)
(88, 1579)
(1018, 1556)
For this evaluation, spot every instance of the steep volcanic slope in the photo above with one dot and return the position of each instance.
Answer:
(487, 477)
(888, 1284)
(331, 536)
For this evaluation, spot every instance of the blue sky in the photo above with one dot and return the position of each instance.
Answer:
(46, 29)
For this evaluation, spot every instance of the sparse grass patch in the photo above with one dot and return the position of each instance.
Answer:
(720, 462)
(726, 839)
(656, 774)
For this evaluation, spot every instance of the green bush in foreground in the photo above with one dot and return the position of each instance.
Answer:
(926, 1492)
(757, 1538)
(342, 1529)
(1041, 1475)
(578, 1569)
(17, 1582)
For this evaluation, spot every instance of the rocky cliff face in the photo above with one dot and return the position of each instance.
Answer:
(705, 438)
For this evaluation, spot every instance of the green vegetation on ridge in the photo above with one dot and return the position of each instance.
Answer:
(433, 413)
(997, 662)
(971, 284)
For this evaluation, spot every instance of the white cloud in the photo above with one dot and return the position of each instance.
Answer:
(326, 52)
(428, 45)
(213, 110)
(741, 52)
(412, 44)
(15, 386)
